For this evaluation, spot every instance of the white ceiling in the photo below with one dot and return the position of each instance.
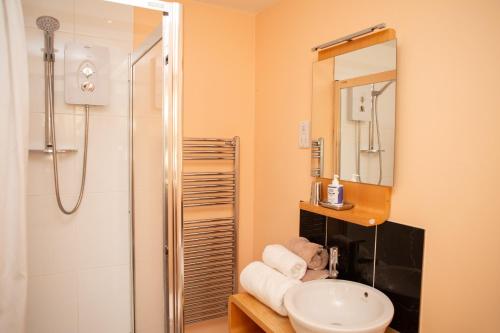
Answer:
(246, 5)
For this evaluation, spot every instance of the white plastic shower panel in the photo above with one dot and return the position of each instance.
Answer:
(86, 74)
(360, 107)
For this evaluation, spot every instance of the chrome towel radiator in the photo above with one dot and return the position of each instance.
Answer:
(210, 226)
(317, 157)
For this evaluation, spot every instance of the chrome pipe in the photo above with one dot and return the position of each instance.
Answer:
(201, 145)
(192, 193)
(209, 220)
(207, 317)
(217, 232)
(227, 238)
(210, 185)
(221, 288)
(208, 288)
(214, 297)
(206, 158)
(188, 139)
(216, 280)
(219, 203)
(209, 244)
(221, 197)
(49, 102)
(196, 302)
(211, 270)
(216, 291)
(207, 263)
(210, 226)
(209, 180)
(197, 307)
(213, 248)
(198, 311)
(231, 173)
(200, 285)
(221, 254)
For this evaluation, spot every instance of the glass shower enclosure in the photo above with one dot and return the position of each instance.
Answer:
(156, 136)
(111, 266)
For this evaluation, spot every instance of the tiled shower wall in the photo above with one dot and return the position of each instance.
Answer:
(79, 278)
(388, 257)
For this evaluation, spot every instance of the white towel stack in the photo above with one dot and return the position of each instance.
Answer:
(267, 285)
(268, 281)
(288, 263)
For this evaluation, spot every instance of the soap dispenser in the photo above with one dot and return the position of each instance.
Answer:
(336, 193)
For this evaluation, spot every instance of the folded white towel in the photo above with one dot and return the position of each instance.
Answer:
(267, 285)
(280, 258)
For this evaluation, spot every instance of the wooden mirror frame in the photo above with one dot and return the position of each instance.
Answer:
(371, 202)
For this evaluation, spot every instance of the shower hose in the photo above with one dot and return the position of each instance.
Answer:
(49, 91)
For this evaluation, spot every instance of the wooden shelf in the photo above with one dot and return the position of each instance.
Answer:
(248, 315)
(371, 203)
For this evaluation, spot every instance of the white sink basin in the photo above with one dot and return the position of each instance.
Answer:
(338, 306)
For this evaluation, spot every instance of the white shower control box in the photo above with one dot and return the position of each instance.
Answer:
(360, 103)
(86, 74)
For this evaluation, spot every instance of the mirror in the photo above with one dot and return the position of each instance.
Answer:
(353, 115)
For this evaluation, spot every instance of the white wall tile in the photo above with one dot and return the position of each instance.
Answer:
(52, 236)
(63, 10)
(65, 131)
(104, 300)
(100, 18)
(41, 175)
(52, 304)
(103, 230)
(107, 168)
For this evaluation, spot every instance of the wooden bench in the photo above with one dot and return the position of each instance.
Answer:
(248, 315)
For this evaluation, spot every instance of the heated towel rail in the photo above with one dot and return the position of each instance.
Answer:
(318, 157)
(210, 242)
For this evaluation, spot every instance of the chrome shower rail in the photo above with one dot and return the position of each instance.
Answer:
(210, 244)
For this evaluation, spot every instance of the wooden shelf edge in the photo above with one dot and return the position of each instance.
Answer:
(265, 318)
(357, 215)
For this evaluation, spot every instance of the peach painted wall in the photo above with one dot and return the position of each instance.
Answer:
(447, 140)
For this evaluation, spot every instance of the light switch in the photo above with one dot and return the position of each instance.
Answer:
(305, 134)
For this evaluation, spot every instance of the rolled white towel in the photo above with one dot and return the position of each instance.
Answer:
(267, 285)
(280, 258)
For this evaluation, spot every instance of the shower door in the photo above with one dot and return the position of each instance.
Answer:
(156, 163)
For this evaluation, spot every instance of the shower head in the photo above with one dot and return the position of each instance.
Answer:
(48, 24)
(379, 92)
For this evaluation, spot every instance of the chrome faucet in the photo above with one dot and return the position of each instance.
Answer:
(333, 262)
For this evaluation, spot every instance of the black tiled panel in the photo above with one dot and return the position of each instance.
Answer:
(398, 264)
(356, 249)
(398, 271)
(312, 227)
